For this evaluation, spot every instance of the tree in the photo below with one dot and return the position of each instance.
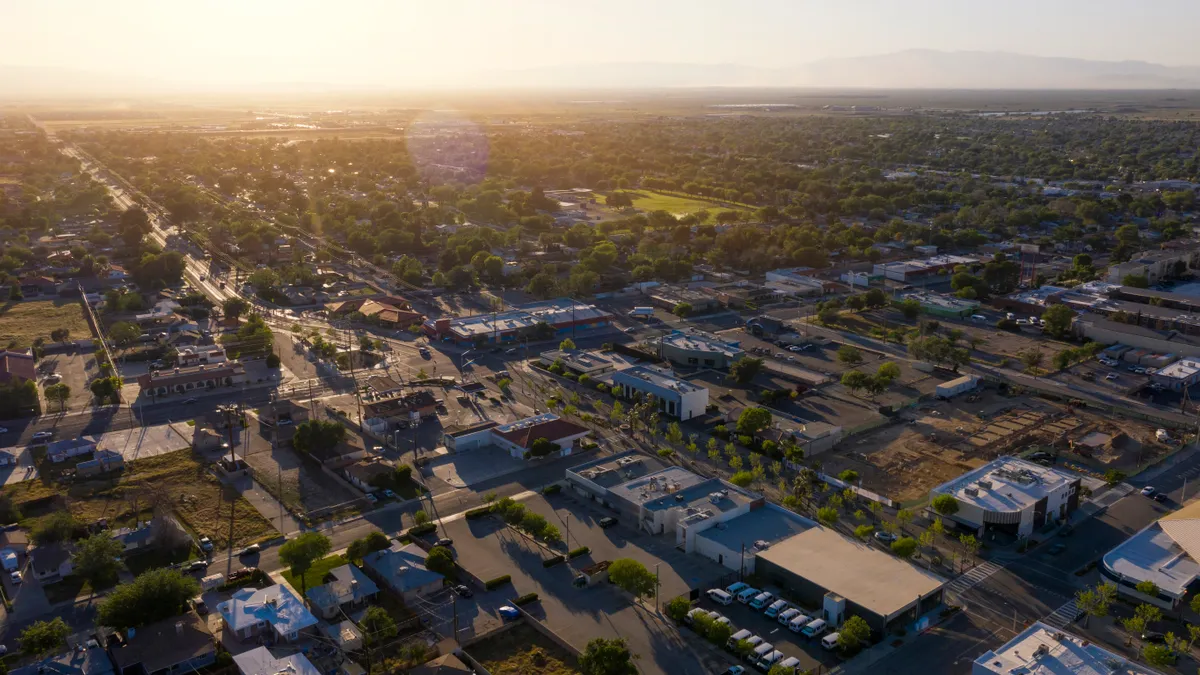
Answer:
(1058, 320)
(300, 553)
(542, 447)
(889, 371)
(864, 532)
(153, 596)
(124, 334)
(1135, 280)
(97, 559)
(827, 515)
(1158, 655)
(378, 626)
(678, 608)
(1095, 601)
(633, 577)
(682, 310)
(317, 436)
(904, 547)
(56, 527)
(566, 345)
(853, 634)
(741, 478)
(849, 355)
(910, 308)
(14, 292)
(1032, 358)
(441, 560)
(234, 307)
(604, 656)
(855, 380)
(133, 225)
(43, 637)
(745, 369)
(753, 420)
(60, 334)
(945, 505)
(1147, 587)
(59, 393)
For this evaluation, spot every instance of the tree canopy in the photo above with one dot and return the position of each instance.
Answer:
(153, 596)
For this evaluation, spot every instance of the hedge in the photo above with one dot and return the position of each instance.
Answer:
(551, 489)
(526, 599)
(419, 530)
(551, 562)
(479, 512)
(497, 582)
(582, 550)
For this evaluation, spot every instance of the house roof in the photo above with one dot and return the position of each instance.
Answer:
(348, 584)
(447, 664)
(170, 378)
(16, 365)
(87, 659)
(164, 644)
(14, 539)
(276, 605)
(366, 469)
(402, 567)
(48, 558)
(524, 435)
(260, 661)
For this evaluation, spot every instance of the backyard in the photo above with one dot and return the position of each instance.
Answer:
(23, 322)
(174, 480)
(315, 576)
(522, 651)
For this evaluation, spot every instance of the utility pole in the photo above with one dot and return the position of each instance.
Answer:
(742, 564)
(454, 606)
(656, 587)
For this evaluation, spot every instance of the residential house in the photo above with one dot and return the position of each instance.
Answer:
(176, 646)
(61, 451)
(402, 570)
(104, 461)
(135, 538)
(300, 296)
(407, 409)
(38, 286)
(446, 664)
(52, 562)
(16, 366)
(86, 658)
(273, 611)
(345, 590)
(14, 548)
(342, 454)
(364, 472)
(260, 661)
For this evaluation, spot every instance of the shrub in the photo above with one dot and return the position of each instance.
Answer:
(526, 599)
(493, 584)
(582, 550)
(849, 476)
(552, 489)
(551, 562)
(678, 608)
(478, 513)
(422, 530)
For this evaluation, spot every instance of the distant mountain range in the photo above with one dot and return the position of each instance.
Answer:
(912, 69)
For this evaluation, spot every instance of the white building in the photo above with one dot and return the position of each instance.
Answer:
(1042, 650)
(673, 396)
(1011, 495)
(1179, 375)
(1165, 552)
(1154, 265)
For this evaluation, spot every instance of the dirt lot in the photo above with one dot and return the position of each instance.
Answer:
(301, 486)
(23, 322)
(522, 651)
(176, 481)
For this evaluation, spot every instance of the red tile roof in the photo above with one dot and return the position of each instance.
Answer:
(551, 431)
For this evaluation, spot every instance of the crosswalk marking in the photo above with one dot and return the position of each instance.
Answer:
(1064, 616)
(973, 576)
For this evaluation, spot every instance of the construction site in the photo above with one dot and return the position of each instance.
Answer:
(935, 442)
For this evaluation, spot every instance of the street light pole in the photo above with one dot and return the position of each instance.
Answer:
(656, 588)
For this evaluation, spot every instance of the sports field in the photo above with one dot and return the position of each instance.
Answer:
(23, 322)
(649, 200)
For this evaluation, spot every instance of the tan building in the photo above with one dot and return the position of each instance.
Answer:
(184, 380)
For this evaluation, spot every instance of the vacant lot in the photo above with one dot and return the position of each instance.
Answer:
(23, 322)
(522, 651)
(300, 485)
(174, 481)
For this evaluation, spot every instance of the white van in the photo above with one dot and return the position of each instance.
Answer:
(791, 662)
(719, 596)
(775, 608)
(747, 594)
(760, 651)
(787, 615)
(761, 600)
(754, 641)
(765, 662)
(212, 581)
(813, 629)
(830, 641)
(731, 643)
(798, 623)
(734, 589)
(691, 616)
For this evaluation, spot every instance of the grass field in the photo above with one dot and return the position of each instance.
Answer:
(315, 576)
(23, 322)
(175, 480)
(649, 200)
(522, 651)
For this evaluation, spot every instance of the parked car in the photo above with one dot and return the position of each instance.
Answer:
(206, 544)
(1149, 491)
(198, 566)
(1155, 637)
(444, 541)
(15, 577)
(238, 575)
(607, 522)
(3, 430)
(252, 549)
(462, 591)
(43, 435)
(509, 612)
(734, 670)
(1160, 497)
(885, 537)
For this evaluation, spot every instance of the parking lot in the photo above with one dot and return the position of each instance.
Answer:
(488, 550)
(808, 651)
(75, 368)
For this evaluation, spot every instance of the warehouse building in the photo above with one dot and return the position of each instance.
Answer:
(673, 396)
(937, 304)
(582, 362)
(562, 316)
(699, 349)
(1043, 649)
(1179, 375)
(916, 270)
(1165, 552)
(1011, 495)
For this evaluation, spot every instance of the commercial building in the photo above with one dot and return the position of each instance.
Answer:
(849, 577)
(1155, 265)
(461, 439)
(796, 281)
(735, 543)
(201, 355)
(1179, 375)
(581, 362)
(909, 271)
(1011, 495)
(252, 612)
(183, 380)
(405, 410)
(1041, 649)
(560, 316)
(517, 438)
(937, 304)
(699, 349)
(1105, 331)
(671, 395)
(1165, 552)
(669, 297)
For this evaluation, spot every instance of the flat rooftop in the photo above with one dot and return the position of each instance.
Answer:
(1005, 484)
(587, 361)
(554, 312)
(761, 528)
(1181, 369)
(653, 486)
(939, 300)
(1045, 650)
(609, 472)
(1153, 555)
(709, 495)
(698, 341)
(655, 377)
(855, 570)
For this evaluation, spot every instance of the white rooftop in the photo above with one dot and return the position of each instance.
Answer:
(1005, 484)
(1044, 650)
(1152, 555)
(1181, 369)
(698, 341)
(654, 377)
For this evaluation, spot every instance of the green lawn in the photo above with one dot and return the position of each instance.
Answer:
(144, 561)
(315, 576)
(648, 200)
(23, 322)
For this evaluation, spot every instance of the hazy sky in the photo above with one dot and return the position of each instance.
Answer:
(419, 42)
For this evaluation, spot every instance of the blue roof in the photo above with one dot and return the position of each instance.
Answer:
(402, 567)
(348, 585)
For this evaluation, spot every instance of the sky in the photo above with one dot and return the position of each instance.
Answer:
(213, 43)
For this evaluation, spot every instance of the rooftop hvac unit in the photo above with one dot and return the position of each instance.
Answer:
(971, 492)
(985, 484)
(762, 544)
(1042, 650)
